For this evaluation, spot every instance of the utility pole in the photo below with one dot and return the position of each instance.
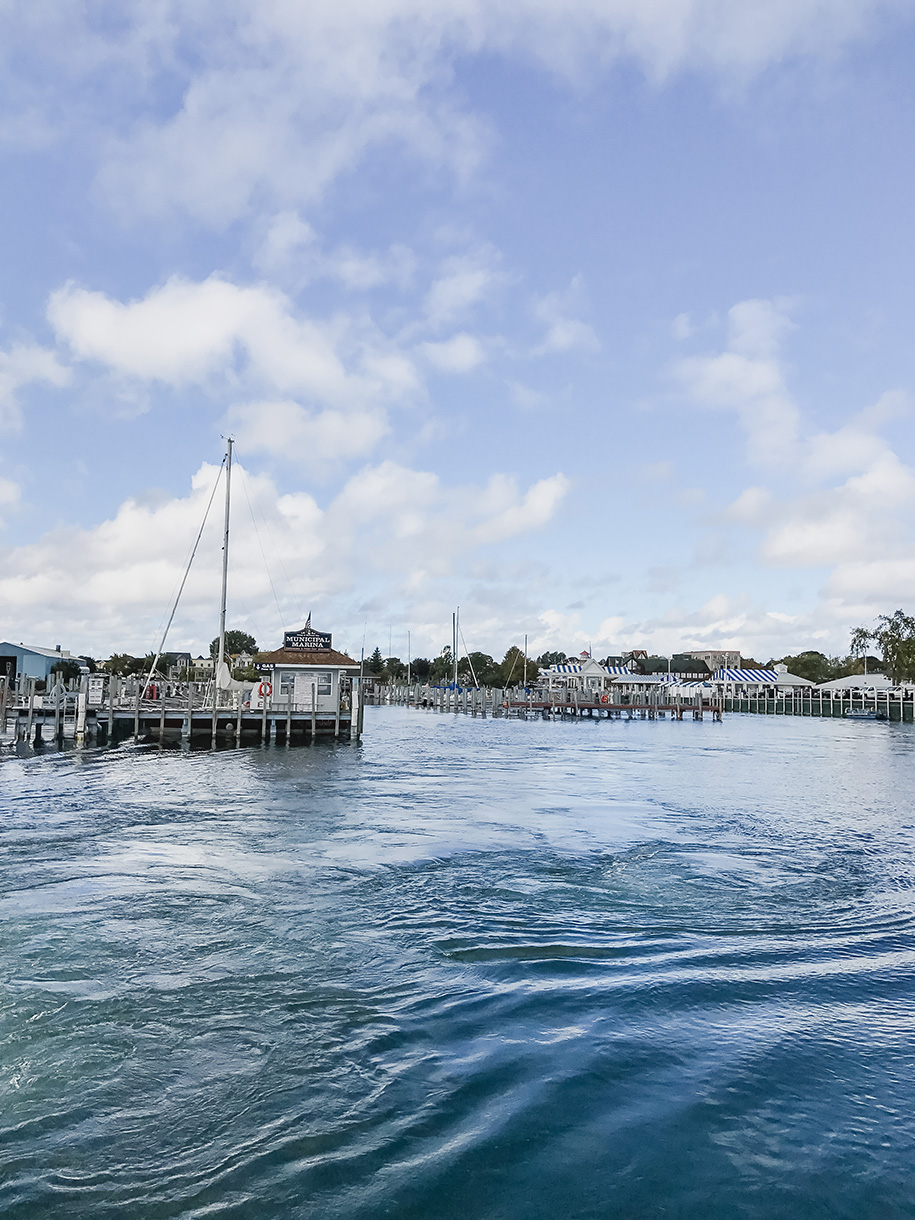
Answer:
(455, 620)
(525, 660)
(409, 657)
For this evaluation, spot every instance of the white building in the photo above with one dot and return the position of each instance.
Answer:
(306, 673)
(716, 658)
(584, 675)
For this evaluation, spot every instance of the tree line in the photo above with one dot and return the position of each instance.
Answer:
(474, 669)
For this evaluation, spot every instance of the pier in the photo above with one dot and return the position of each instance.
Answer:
(192, 713)
(518, 703)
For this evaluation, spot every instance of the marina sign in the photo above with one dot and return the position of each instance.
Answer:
(306, 640)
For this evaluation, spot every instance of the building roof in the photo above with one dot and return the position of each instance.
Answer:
(761, 677)
(768, 676)
(41, 652)
(319, 658)
(858, 681)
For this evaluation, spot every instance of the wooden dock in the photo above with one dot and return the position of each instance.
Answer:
(188, 717)
(518, 703)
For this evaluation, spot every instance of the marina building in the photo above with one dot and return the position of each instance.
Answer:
(307, 673)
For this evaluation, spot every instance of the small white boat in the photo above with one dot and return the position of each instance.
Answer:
(863, 713)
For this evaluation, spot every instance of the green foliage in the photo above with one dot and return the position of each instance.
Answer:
(123, 664)
(814, 666)
(551, 658)
(443, 666)
(894, 635)
(420, 669)
(65, 669)
(237, 642)
(511, 671)
(481, 666)
(375, 663)
(394, 670)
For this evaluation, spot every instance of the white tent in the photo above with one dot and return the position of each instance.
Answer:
(859, 682)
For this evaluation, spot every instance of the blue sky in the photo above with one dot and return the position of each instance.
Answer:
(594, 319)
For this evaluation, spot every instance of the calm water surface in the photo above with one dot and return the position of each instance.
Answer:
(470, 969)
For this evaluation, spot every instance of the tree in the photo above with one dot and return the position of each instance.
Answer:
(420, 668)
(814, 666)
(511, 671)
(375, 663)
(481, 666)
(65, 669)
(551, 658)
(394, 669)
(236, 642)
(443, 666)
(895, 637)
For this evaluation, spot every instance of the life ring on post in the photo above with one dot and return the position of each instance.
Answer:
(264, 689)
(605, 698)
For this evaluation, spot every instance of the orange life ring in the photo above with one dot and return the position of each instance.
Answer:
(265, 689)
(605, 698)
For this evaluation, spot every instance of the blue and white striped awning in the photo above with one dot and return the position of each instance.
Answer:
(745, 675)
(615, 669)
(567, 669)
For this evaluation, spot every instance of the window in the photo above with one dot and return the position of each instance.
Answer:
(287, 684)
(325, 683)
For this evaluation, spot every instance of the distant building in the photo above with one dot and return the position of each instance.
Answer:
(307, 672)
(716, 658)
(21, 661)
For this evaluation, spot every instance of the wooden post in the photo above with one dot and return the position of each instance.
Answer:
(4, 687)
(288, 717)
(161, 713)
(264, 699)
(30, 692)
(136, 713)
(81, 698)
(337, 715)
(58, 726)
(213, 724)
(314, 709)
(187, 721)
(114, 684)
(238, 718)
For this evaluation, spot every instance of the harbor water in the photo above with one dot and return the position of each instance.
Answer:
(466, 970)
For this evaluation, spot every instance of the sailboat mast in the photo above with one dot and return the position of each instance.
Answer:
(225, 556)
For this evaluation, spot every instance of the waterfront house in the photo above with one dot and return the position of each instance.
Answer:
(21, 661)
(584, 675)
(307, 672)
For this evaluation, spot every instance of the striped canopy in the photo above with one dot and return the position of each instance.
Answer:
(745, 675)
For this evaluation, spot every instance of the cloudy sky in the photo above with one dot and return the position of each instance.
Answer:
(592, 317)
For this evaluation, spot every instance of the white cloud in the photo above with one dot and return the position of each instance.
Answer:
(274, 101)
(20, 366)
(316, 442)
(391, 534)
(748, 380)
(564, 333)
(221, 335)
(464, 280)
(460, 354)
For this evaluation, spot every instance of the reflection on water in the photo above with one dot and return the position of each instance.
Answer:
(466, 969)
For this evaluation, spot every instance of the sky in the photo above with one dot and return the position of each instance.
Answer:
(593, 319)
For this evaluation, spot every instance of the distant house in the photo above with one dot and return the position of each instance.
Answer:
(682, 665)
(21, 661)
(583, 675)
(716, 658)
